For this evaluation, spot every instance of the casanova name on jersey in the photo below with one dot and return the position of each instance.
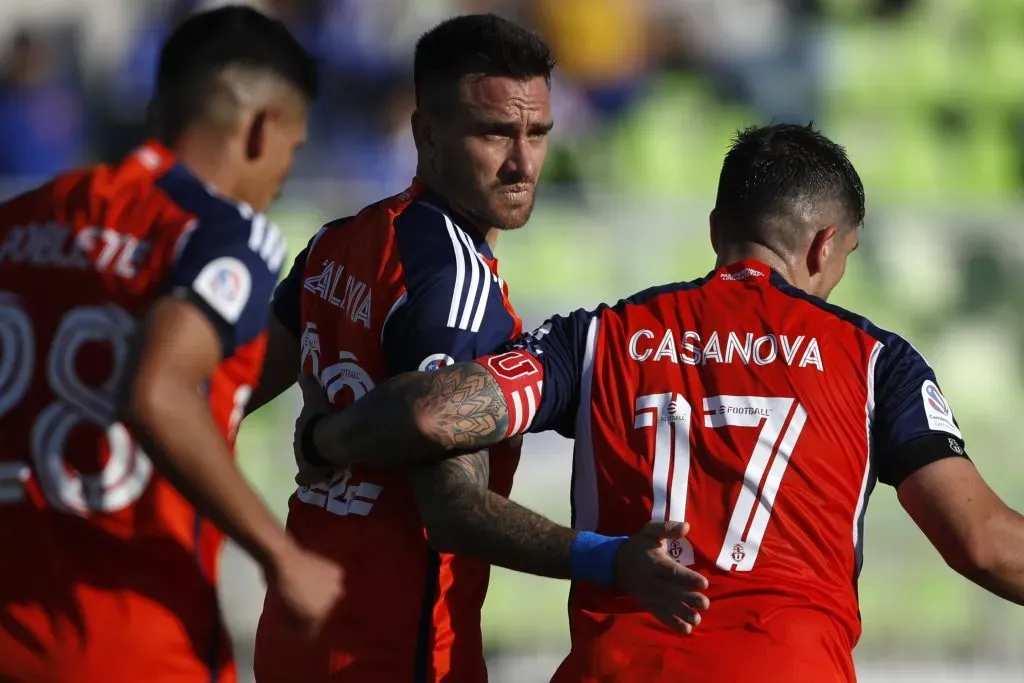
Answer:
(690, 348)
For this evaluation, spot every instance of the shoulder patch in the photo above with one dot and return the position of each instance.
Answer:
(435, 361)
(937, 410)
(225, 284)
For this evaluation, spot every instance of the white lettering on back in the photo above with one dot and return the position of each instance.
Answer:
(739, 347)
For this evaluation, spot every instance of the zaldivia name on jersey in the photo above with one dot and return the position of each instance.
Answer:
(356, 298)
(691, 348)
(52, 245)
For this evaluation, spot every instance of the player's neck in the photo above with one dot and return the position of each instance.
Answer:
(489, 234)
(491, 237)
(750, 251)
(204, 157)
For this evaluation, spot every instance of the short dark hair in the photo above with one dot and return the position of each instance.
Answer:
(479, 43)
(775, 171)
(208, 42)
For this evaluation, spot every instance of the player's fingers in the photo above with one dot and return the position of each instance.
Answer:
(672, 572)
(685, 604)
(308, 476)
(672, 620)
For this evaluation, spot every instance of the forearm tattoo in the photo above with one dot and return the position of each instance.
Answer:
(464, 405)
(464, 517)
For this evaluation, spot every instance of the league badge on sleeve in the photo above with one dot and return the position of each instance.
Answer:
(435, 361)
(225, 283)
(937, 410)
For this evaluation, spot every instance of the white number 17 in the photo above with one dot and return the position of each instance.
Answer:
(670, 416)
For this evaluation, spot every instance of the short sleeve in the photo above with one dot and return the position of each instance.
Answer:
(286, 304)
(543, 374)
(229, 269)
(452, 308)
(913, 423)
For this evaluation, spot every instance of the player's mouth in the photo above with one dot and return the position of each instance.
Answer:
(516, 193)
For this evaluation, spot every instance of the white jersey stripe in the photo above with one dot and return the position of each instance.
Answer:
(257, 232)
(460, 273)
(474, 284)
(517, 410)
(394, 307)
(869, 421)
(531, 408)
(481, 306)
(584, 474)
(270, 242)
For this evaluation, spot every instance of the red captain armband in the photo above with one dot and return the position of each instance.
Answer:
(521, 378)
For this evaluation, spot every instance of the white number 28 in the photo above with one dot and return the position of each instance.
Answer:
(670, 416)
(128, 471)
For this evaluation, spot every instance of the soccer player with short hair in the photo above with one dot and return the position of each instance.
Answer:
(133, 310)
(741, 402)
(411, 283)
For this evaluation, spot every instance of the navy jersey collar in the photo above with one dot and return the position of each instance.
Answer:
(435, 198)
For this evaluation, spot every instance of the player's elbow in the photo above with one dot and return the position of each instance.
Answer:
(992, 548)
(148, 398)
(429, 427)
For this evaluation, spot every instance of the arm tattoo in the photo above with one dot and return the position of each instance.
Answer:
(416, 417)
(464, 517)
(464, 406)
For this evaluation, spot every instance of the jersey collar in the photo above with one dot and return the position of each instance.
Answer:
(747, 269)
(150, 158)
(425, 193)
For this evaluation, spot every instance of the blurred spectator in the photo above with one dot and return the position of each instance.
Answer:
(602, 45)
(123, 111)
(762, 53)
(40, 113)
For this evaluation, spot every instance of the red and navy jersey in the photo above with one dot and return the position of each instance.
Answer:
(406, 284)
(106, 546)
(760, 415)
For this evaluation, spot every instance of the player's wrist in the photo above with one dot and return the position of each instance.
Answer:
(592, 557)
(312, 442)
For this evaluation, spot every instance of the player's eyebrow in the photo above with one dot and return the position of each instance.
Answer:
(510, 129)
(542, 128)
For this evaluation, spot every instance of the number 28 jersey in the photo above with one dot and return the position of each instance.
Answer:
(107, 573)
(763, 417)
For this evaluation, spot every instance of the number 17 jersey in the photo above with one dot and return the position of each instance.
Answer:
(763, 417)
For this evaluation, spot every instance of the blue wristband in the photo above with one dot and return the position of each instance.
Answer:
(592, 557)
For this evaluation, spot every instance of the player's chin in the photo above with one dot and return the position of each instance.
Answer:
(512, 214)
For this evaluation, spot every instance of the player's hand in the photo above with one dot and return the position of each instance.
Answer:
(669, 591)
(314, 402)
(308, 587)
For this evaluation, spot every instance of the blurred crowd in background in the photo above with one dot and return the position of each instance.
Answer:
(928, 96)
(632, 74)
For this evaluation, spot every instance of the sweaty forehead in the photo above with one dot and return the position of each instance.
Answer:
(504, 98)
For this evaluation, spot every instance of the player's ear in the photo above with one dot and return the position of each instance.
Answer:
(423, 134)
(823, 247)
(256, 136)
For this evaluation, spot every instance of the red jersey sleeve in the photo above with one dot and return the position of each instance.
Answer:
(542, 374)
